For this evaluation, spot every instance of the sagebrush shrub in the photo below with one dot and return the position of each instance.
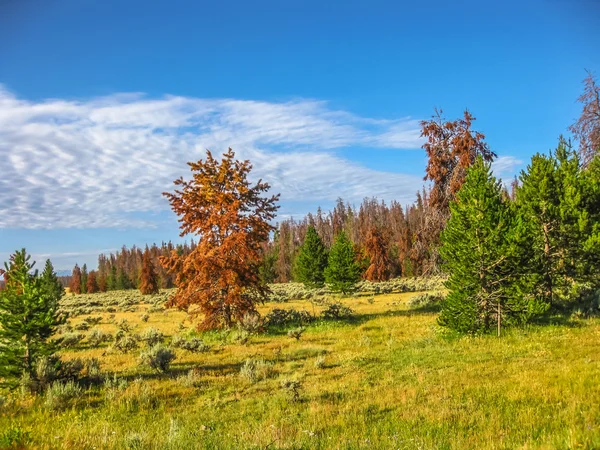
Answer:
(256, 370)
(152, 336)
(97, 336)
(125, 342)
(193, 345)
(60, 395)
(336, 311)
(320, 362)
(190, 379)
(251, 323)
(283, 317)
(426, 300)
(292, 388)
(124, 325)
(69, 340)
(296, 333)
(158, 358)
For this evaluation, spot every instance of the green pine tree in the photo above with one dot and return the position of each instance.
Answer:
(311, 260)
(28, 318)
(589, 221)
(550, 201)
(267, 269)
(478, 250)
(84, 279)
(342, 271)
(52, 287)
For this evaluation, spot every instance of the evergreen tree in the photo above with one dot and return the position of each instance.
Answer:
(343, 271)
(111, 279)
(311, 260)
(75, 284)
(480, 258)
(590, 221)
(92, 283)
(84, 278)
(52, 287)
(28, 318)
(267, 270)
(149, 278)
(551, 204)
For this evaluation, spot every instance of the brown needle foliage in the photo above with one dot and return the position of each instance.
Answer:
(220, 279)
(451, 148)
(76, 280)
(380, 267)
(148, 278)
(587, 127)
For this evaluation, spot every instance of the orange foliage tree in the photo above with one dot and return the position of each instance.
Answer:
(149, 278)
(376, 248)
(451, 148)
(76, 280)
(92, 283)
(220, 278)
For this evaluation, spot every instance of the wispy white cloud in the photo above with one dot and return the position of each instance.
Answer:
(104, 162)
(504, 167)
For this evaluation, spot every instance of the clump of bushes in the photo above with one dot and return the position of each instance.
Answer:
(60, 395)
(257, 369)
(193, 345)
(191, 379)
(283, 317)
(69, 340)
(426, 300)
(152, 336)
(158, 358)
(125, 342)
(97, 336)
(252, 323)
(336, 311)
(93, 320)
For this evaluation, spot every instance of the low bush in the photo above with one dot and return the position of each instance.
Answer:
(152, 336)
(97, 336)
(193, 345)
(125, 342)
(296, 333)
(158, 358)
(256, 370)
(60, 395)
(426, 300)
(69, 340)
(292, 388)
(284, 317)
(190, 379)
(336, 311)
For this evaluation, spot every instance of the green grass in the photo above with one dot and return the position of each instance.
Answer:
(387, 378)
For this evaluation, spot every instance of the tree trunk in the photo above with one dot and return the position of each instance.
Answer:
(499, 317)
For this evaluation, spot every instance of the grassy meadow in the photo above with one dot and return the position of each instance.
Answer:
(386, 377)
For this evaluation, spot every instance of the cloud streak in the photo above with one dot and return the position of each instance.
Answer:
(104, 162)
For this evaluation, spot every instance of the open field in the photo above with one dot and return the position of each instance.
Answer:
(384, 378)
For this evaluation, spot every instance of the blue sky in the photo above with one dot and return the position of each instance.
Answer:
(103, 102)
